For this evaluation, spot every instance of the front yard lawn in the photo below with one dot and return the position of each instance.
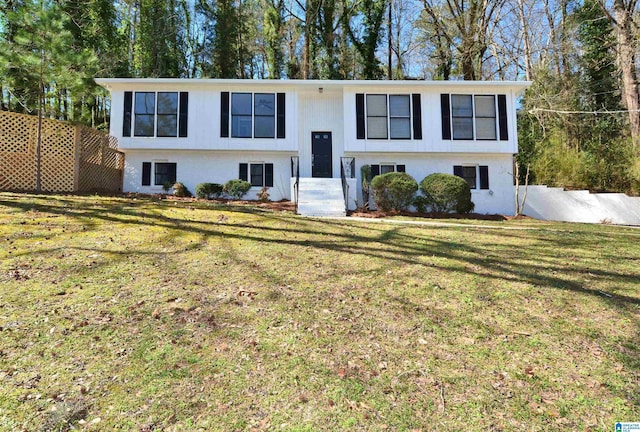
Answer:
(146, 314)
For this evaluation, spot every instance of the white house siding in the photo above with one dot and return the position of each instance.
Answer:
(204, 119)
(204, 156)
(193, 167)
(431, 141)
(498, 199)
(320, 112)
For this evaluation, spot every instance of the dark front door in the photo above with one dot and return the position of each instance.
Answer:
(321, 154)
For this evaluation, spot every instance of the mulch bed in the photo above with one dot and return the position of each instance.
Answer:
(289, 206)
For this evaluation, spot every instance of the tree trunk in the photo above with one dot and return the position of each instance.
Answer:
(555, 55)
(307, 42)
(528, 57)
(389, 45)
(627, 61)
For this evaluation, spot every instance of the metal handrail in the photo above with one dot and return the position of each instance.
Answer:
(295, 172)
(350, 163)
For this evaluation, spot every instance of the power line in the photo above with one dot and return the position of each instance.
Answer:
(535, 110)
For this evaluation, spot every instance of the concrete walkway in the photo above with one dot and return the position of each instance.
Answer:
(449, 224)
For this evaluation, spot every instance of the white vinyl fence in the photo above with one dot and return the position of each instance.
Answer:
(581, 206)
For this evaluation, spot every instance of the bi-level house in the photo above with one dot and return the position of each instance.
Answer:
(291, 136)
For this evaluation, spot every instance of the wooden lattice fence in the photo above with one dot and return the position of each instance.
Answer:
(73, 158)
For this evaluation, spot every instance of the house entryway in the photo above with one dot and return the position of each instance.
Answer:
(321, 194)
(321, 197)
(321, 155)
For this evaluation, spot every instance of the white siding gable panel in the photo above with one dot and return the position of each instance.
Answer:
(431, 122)
(204, 123)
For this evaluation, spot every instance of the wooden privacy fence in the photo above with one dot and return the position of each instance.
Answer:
(73, 158)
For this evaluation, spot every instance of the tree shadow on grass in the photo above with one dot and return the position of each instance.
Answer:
(509, 261)
(395, 243)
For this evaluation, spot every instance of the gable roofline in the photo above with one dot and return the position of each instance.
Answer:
(112, 83)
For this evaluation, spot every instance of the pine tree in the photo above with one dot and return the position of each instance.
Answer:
(43, 53)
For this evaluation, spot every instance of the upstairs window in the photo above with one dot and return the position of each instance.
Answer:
(265, 115)
(474, 117)
(241, 115)
(155, 114)
(468, 111)
(252, 115)
(399, 117)
(167, 114)
(145, 110)
(388, 116)
(381, 116)
(377, 117)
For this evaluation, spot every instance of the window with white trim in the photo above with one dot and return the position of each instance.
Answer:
(163, 172)
(476, 176)
(259, 174)
(253, 115)
(386, 167)
(473, 117)
(388, 116)
(157, 114)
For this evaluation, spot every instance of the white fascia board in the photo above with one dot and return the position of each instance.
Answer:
(124, 83)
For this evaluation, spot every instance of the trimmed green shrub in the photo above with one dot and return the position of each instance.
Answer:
(421, 204)
(446, 193)
(180, 190)
(394, 190)
(208, 190)
(236, 188)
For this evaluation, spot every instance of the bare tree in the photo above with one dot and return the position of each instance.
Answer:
(471, 23)
(624, 17)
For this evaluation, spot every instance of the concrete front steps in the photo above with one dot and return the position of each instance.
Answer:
(322, 197)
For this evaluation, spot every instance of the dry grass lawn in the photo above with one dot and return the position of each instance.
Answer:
(143, 314)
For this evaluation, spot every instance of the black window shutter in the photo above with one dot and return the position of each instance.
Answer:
(268, 175)
(417, 116)
(171, 173)
(400, 168)
(244, 168)
(502, 117)
(184, 112)
(360, 116)
(446, 116)
(375, 170)
(457, 170)
(146, 173)
(281, 115)
(224, 114)
(484, 177)
(126, 120)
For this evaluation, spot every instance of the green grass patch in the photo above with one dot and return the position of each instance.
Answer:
(142, 314)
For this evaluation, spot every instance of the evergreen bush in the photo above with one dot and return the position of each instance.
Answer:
(236, 188)
(394, 190)
(209, 190)
(446, 193)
